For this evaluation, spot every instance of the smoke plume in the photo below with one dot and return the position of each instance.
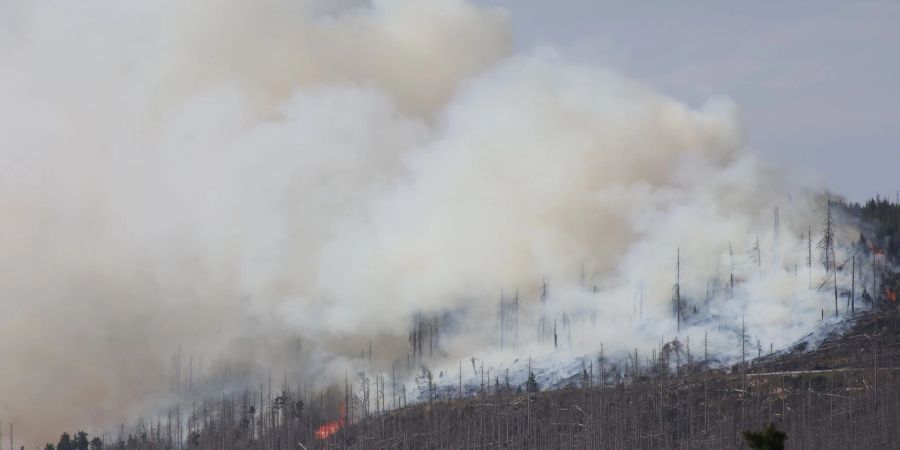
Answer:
(231, 177)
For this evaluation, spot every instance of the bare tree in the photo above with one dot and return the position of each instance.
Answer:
(677, 289)
(827, 243)
(756, 255)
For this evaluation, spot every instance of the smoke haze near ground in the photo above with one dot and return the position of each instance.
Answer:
(229, 175)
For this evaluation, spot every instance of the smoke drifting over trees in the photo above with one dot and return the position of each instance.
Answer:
(232, 176)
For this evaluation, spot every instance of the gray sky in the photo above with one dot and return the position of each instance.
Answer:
(817, 83)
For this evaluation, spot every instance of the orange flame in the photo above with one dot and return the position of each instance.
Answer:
(891, 295)
(877, 251)
(328, 429)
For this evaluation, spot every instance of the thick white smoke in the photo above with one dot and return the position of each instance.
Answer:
(226, 175)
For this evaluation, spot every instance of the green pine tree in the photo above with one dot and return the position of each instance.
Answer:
(81, 441)
(531, 385)
(767, 439)
(65, 442)
(96, 444)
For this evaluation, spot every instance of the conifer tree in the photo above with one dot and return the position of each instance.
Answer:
(767, 439)
(531, 385)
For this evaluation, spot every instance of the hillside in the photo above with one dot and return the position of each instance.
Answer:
(828, 397)
(831, 397)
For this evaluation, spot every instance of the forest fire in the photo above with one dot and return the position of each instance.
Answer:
(328, 429)
(891, 295)
(875, 250)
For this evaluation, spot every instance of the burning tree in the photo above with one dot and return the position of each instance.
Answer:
(328, 429)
